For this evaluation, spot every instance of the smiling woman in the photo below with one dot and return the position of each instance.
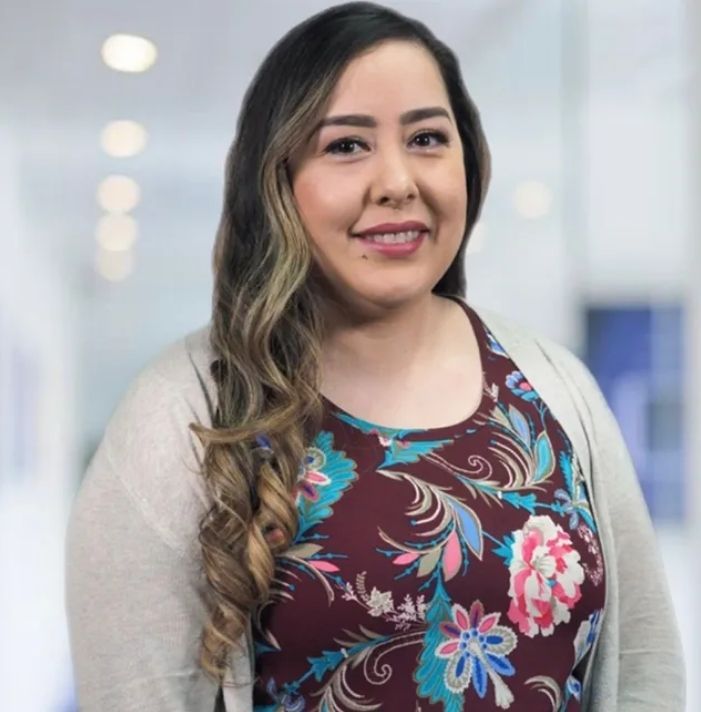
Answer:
(404, 158)
(353, 490)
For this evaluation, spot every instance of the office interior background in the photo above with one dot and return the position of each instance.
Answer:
(110, 192)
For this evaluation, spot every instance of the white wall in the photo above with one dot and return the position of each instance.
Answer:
(37, 317)
(692, 281)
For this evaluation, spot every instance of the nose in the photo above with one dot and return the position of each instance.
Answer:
(393, 181)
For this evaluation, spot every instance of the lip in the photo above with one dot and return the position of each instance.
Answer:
(393, 227)
(399, 249)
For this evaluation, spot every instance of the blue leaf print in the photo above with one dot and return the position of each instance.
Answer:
(520, 425)
(471, 529)
(429, 675)
(545, 457)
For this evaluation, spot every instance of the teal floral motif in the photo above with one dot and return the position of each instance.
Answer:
(330, 472)
(430, 673)
(398, 451)
(323, 477)
(405, 452)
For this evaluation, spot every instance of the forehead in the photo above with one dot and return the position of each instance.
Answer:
(389, 78)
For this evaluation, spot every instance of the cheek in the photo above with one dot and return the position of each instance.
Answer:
(325, 202)
(451, 198)
(456, 192)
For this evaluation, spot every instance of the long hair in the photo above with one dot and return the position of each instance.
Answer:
(266, 328)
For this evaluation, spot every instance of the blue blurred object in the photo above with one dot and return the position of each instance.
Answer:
(636, 355)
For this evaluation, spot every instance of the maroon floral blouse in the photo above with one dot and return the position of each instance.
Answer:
(451, 568)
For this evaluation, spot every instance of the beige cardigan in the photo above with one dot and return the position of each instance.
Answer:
(133, 580)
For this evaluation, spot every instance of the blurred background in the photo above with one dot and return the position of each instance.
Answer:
(111, 175)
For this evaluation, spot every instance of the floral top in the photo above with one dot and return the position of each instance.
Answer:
(446, 568)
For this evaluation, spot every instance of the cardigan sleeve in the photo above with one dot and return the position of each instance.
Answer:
(651, 673)
(133, 582)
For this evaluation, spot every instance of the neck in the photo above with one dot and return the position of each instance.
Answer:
(389, 344)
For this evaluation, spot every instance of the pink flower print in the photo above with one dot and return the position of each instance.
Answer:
(476, 649)
(308, 482)
(545, 577)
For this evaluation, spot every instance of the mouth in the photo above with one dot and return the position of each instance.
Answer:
(393, 238)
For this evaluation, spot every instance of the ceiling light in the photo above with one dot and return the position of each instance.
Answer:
(123, 138)
(533, 199)
(116, 233)
(114, 266)
(118, 194)
(128, 53)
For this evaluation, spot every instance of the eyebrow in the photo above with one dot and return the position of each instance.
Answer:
(408, 117)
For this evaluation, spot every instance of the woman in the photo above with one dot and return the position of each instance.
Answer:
(353, 490)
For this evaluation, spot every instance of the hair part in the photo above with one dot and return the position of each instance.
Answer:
(266, 328)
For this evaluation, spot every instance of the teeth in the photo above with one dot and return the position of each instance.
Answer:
(391, 238)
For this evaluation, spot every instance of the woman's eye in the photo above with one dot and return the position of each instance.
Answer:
(333, 147)
(438, 135)
(337, 147)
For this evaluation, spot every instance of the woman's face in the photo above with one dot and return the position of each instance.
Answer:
(378, 165)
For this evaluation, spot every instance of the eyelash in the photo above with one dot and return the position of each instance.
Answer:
(439, 135)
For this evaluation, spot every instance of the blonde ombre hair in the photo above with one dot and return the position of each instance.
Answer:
(267, 326)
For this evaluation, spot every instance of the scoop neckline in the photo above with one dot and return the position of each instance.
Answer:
(481, 333)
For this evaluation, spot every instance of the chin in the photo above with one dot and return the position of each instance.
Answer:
(395, 297)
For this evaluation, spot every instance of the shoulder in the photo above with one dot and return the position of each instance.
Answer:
(147, 446)
(539, 353)
(175, 386)
(561, 378)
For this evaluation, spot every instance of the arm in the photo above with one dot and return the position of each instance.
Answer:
(651, 666)
(133, 584)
